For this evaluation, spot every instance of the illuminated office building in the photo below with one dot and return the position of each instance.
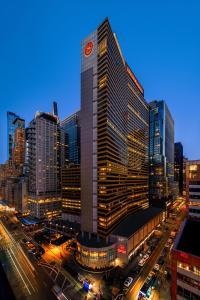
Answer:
(161, 154)
(71, 186)
(114, 135)
(114, 121)
(18, 151)
(178, 166)
(71, 193)
(193, 188)
(185, 159)
(185, 262)
(13, 122)
(46, 148)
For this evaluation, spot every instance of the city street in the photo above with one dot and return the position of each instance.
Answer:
(27, 280)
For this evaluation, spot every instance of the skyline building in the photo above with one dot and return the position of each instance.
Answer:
(11, 126)
(185, 262)
(185, 159)
(114, 135)
(178, 166)
(46, 150)
(18, 151)
(161, 154)
(193, 188)
(116, 220)
(71, 126)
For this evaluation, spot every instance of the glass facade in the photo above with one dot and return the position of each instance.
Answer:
(178, 166)
(161, 153)
(71, 126)
(11, 117)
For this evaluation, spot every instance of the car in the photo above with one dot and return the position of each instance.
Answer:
(128, 281)
(156, 267)
(141, 262)
(146, 256)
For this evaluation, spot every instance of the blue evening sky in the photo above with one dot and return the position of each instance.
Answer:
(40, 56)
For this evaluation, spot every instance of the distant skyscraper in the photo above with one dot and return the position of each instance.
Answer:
(161, 153)
(71, 125)
(18, 151)
(45, 143)
(178, 166)
(11, 131)
(55, 108)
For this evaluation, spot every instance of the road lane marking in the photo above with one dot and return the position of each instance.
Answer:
(23, 272)
(19, 273)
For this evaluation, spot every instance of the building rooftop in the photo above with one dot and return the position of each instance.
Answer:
(92, 241)
(188, 241)
(135, 221)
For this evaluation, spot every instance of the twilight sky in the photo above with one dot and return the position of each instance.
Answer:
(40, 56)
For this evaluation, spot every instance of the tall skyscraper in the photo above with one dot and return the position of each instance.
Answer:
(46, 143)
(18, 151)
(10, 131)
(193, 188)
(161, 154)
(178, 166)
(116, 219)
(114, 135)
(71, 125)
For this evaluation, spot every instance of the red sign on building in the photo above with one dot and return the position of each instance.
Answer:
(88, 48)
(121, 249)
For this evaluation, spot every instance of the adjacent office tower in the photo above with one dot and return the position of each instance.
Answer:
(71, 125)
(161, 153)
(193, 188)
(71, 189)
(11, 126)
(114, 135)
(46, 148)
(178, 166)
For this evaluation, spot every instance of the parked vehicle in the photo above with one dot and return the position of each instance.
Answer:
(156, 267)
(128, 281)
(141, 262)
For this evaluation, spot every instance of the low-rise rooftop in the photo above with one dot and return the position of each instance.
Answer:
(135, 221)
(188, 241)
